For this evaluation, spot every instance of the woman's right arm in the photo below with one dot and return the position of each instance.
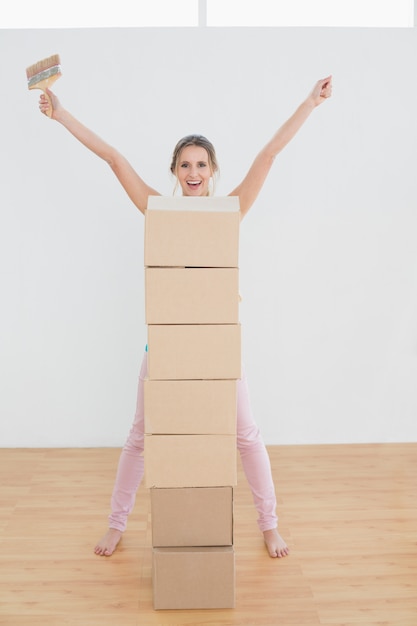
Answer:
(137, 190)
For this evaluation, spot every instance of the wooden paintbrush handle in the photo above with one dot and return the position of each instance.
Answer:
(45, 84)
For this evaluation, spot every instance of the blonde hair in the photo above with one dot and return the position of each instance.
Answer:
(202, 142)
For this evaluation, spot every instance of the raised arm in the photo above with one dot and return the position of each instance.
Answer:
(255, 178)
(137, 190)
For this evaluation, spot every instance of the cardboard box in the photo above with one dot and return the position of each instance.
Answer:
(190, 461)
(191, 295)
(193, 578)
(192, 232)
(194, 203)
(190, 352)
(192, 517)
(190, 407)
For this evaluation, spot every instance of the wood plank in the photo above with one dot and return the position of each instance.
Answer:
(348, 512)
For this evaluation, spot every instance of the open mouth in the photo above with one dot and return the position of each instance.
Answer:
(194, 184)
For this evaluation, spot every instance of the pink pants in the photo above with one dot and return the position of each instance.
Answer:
(254, 456)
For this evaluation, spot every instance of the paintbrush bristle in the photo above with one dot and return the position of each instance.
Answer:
(43, 69)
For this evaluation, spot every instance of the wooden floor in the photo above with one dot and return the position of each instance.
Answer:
(348, 512)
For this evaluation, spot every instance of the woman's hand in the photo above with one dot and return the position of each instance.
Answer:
(321, 91)
(49, 106)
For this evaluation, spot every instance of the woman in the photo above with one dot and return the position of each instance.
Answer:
(194, 165)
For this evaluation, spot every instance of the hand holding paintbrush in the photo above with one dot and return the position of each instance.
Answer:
(42, 75)
(49, 104)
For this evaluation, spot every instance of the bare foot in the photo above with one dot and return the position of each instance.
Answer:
(107, 545)
(275, 544)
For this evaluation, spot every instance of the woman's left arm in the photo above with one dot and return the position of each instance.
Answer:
(255, 178)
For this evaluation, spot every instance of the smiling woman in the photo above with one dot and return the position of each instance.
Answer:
(194, 164)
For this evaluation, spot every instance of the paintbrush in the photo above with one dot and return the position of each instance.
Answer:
(43, 74)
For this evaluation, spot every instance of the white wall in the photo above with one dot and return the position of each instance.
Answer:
(328, 253)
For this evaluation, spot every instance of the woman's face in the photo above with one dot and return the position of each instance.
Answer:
(193, 171)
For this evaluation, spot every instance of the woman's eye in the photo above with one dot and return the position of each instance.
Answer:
(184, 164)
(202, 165)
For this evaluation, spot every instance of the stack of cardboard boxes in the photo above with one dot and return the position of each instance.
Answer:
(194, 361)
